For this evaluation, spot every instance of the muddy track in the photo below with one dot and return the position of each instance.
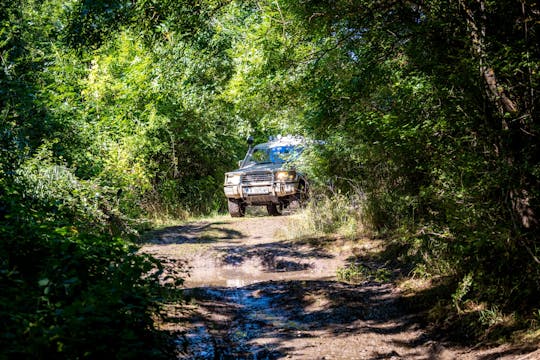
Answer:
(250, 294)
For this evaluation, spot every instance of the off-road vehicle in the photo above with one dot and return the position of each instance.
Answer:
(267, 177)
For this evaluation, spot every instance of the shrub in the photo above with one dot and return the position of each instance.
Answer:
(71, 286)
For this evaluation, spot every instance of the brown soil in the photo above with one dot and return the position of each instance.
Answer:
(252, 295)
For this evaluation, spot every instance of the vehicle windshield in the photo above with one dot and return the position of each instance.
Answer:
(275, 154)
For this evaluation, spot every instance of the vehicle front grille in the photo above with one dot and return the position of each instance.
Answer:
(257, 177)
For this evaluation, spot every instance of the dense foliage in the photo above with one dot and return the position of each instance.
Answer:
(431, 110)
(115, 110)
(93, 134)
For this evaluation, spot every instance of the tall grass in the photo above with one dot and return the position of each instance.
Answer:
(326, 214)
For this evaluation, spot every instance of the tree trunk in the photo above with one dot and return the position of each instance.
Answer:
(495, 91)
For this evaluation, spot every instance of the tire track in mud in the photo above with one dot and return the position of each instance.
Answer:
(252, 295)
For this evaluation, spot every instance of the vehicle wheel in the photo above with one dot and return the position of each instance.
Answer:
(301, 198)
(273, 209)
(236, 208)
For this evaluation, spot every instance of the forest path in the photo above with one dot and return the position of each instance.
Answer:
(252, 294)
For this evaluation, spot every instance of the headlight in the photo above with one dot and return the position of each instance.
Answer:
(285, 175)
(232, 179)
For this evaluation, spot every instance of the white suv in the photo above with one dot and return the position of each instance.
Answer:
(267, 177)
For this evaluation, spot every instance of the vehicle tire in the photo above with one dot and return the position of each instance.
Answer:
(273, 209)
(301, 198)
(236, 208)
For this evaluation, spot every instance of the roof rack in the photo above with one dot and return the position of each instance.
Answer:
(291, 140)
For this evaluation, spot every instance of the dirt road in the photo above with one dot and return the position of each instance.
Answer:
(252, 294)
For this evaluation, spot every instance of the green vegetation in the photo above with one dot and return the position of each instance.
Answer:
(116, 111)
(356, 273)
(328, 214)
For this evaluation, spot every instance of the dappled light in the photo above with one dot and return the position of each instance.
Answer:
(255, 296)
(399, 138)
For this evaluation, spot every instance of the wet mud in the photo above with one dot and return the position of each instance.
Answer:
(249, 294)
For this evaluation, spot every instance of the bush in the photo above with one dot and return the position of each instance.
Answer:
(71, 287)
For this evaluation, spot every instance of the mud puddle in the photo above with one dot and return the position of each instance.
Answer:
(234, 320)
(291, 319)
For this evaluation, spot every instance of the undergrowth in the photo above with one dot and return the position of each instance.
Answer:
(454, 297)
(434, 278)
(72, 283)
(356, 273)
(328, 214)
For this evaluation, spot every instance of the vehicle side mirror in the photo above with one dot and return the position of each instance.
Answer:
(250, 140)
(240, 163)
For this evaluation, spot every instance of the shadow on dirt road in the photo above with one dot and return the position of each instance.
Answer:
(249, 294)
(299, 319)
